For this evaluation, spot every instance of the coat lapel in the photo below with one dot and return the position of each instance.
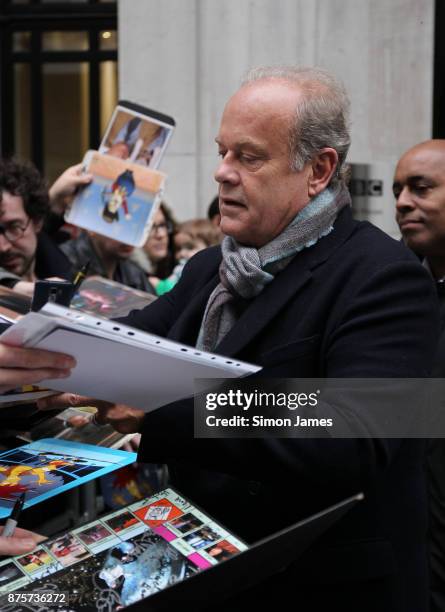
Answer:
(266, 306)
(187, 325)
(284, 287)
(270, 301)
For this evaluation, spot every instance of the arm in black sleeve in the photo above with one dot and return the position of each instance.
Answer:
(387, 329)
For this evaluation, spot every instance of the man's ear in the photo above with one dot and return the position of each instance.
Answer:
(323, 167)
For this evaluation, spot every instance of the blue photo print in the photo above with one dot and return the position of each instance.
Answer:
(48, 467)
(120, 201)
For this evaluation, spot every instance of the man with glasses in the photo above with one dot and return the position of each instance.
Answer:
(26, 253)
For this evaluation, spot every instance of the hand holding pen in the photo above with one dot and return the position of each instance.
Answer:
(21, 542)
(16, 541)
(80, 276)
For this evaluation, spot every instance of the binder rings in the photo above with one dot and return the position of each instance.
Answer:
(118, 363)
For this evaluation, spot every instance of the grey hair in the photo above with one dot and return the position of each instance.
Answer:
(321, 117)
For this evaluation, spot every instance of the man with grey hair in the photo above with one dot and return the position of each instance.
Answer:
(303, 290)
(320, 117)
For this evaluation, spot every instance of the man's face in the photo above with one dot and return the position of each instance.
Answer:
(259, 194)
(111, 249)
(119, 149)
(17, 257)
(419, 189)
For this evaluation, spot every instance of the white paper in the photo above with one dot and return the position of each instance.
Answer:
(118, 363)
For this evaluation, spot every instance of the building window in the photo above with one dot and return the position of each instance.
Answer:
(59, 78)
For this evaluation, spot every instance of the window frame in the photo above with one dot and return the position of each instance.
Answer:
(92, 17)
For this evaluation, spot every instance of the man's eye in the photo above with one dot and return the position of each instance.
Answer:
(420, 188)
(396, 190)
(14, 227)
(222, 153)
(249, 160)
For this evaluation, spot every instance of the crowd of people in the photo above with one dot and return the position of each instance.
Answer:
(305, 291)
(37, 246)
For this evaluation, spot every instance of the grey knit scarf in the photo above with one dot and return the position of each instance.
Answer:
(245, 271)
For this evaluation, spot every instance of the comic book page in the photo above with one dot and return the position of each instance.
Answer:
(48, 467)
(121, 200)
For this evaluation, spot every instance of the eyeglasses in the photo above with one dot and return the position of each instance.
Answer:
(13, 231)
(166, 227)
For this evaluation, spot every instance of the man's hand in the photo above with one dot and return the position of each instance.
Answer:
(65, 187)
(28, 288)
(25, 287)
(21, 542)
(132, 446)
(121, 417)
(28, 366)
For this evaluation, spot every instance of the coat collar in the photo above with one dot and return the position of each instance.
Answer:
(187, 325)
(272, 299)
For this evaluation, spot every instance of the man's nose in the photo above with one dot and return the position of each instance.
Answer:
(226, 172)
(5, 245)
(404, 201)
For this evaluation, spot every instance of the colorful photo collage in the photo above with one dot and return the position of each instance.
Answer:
(189, 530)
(125, 556)
(111, 579)
(126, 189)
(47, 467)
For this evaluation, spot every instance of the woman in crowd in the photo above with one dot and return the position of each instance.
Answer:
(157, 256)
(191, 236)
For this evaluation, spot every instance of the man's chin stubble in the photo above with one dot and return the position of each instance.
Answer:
(20, 270)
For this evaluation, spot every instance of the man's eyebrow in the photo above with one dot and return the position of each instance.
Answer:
(413, 181)
(251, 145)
(418, 177)
(246, 143)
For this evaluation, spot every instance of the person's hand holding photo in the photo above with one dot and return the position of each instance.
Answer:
(65, 187)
